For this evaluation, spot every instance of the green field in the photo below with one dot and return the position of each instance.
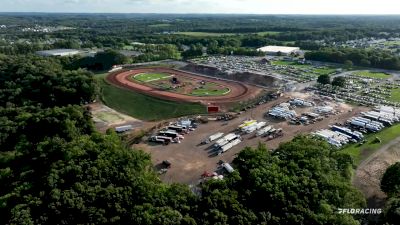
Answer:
(109, 117)
(148, 77)
(324, 70)
(395, 95)
(372, 74)
(160, 25)
(287, 63)
(392, 43)
(205, 34)
(128, 47)
(211, 34)
(268, 33)
(144, 107)
(360, 152)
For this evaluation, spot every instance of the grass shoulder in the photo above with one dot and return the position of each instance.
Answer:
(361, 152)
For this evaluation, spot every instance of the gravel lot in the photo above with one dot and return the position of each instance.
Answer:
(190, 159)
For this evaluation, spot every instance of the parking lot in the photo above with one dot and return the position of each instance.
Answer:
(286, 68)
(190, 159)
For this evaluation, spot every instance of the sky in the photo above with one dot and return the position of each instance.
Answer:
(205, 6)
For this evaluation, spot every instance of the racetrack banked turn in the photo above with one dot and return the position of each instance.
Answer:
(239, 91)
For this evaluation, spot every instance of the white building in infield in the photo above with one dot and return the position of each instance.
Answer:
(276, 50)
(58, 52)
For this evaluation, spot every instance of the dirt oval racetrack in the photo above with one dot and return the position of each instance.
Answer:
(238, 91)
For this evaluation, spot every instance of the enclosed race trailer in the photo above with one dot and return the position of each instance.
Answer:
(215, 136)
(263, 131)
(122, 129)
(228, 167)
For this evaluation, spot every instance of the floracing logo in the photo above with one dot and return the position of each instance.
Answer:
(359, 211)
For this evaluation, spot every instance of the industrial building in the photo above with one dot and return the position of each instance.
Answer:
(278, 50)
(58, 52)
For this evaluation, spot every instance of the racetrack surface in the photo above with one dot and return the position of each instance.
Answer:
(239, 91)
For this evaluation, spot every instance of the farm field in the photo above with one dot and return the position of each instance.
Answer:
(144, 107)
(360, 152)
(372, 74)
(148, 77)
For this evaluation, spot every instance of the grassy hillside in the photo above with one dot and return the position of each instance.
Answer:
(360, 152)
(142, 106)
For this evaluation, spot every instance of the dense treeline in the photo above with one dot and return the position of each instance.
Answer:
(100, 61)
(32, 80)
(359, 57)
(156, 52)
(54, 168)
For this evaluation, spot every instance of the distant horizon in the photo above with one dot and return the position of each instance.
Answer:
(246, 7)
(183, 13)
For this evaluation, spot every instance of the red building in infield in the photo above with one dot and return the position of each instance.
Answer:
(212, 109)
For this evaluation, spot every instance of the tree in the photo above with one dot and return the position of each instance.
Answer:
(390, 182)
(348, 64)
(102, 60)
(42, 81)
(339, 81)
(391, 215)
(324, 79)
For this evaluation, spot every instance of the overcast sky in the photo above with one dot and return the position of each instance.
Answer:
(206, 6)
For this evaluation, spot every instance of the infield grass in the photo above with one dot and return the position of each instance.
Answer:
(210, 92)
(148, 77)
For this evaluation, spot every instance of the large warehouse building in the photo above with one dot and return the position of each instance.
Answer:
(276, 50)
(58, 52)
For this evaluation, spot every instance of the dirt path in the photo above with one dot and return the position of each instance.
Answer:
(105, 117)
(369, 173)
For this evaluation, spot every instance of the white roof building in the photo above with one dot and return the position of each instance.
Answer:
(273, 50)
(58, 52)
